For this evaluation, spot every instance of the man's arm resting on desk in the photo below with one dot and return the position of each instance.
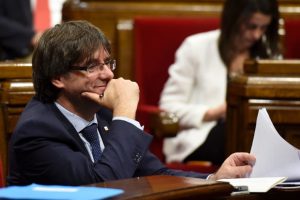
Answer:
(57, 163)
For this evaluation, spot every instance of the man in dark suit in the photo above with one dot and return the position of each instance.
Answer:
(75, 91)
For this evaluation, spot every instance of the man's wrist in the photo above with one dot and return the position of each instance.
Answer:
(127, 110)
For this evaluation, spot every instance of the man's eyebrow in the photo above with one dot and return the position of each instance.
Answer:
(91, 61)
(108, 58)
(96, 60)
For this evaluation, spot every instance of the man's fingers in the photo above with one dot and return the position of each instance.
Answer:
(242, 158)
(243, 171)
(93, 96)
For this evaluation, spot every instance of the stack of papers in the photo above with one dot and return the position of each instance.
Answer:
(35, 191)
(276, 160)
(288, 185)
(275, 157)
(262, 184)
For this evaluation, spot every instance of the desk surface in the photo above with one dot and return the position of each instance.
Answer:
(171, 187)
(168, 187)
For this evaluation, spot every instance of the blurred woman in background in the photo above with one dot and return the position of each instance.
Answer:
(196, 88)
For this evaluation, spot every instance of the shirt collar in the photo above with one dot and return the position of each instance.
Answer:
(78, 122)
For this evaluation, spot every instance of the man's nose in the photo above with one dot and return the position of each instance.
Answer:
(106, 72)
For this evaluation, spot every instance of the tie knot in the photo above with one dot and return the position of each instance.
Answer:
(90, 133)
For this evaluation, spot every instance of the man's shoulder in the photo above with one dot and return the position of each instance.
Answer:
(36, 108)
(36, 111)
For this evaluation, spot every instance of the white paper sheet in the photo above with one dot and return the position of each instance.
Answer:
(275, 157)
(262, 184)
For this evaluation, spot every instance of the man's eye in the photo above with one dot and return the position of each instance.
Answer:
(92, 67)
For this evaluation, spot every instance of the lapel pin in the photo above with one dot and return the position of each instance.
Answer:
(106, 128)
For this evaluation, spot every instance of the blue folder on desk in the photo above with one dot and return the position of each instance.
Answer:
(36, 191)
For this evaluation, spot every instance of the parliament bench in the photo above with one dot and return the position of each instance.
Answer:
(16, 89)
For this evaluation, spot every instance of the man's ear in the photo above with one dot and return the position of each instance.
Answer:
(57, 82)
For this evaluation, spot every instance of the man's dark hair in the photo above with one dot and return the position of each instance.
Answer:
(59, 49)
(237, 12)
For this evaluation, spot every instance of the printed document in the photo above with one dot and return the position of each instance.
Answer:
(275, 157)
(255, 184)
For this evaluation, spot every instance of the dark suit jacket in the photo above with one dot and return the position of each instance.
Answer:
(16, 28)
(46, 149)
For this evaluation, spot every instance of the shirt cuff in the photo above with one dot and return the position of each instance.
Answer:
(207, 178)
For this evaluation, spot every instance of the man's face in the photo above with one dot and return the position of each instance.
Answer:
(252, 30)
(77, 81)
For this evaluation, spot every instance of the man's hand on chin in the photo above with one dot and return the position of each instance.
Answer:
(120, 95)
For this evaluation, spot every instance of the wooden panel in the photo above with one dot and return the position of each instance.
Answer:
(16, 89)
(125, 49)
(15, 70)
(279, 93)
(12, 120)
(272, 67)
(3, 142)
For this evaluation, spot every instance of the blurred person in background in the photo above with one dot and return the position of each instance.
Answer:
(196, 88)
(21, 25)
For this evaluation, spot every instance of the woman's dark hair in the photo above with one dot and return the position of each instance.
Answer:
(59, 49)
(237, 12)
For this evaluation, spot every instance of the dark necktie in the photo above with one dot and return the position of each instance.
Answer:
(91, 135)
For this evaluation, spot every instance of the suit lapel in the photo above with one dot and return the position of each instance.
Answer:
(70, 129)
(103, 128)
(104, 117)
